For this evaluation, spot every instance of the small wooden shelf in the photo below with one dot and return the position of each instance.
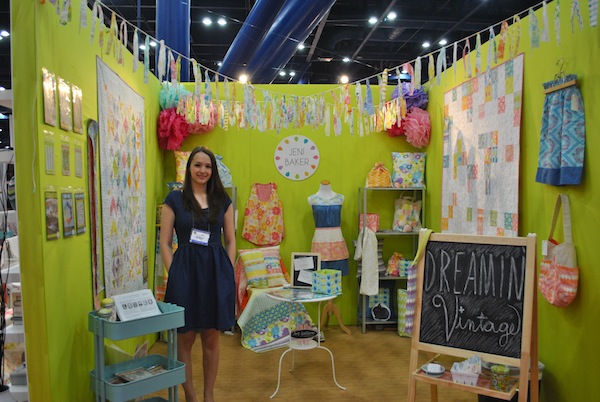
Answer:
(482, 388)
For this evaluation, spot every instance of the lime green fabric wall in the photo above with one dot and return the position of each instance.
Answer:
(564, 340)
(59, 346)
(56, 275)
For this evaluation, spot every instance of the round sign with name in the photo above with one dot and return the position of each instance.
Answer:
(296, 157)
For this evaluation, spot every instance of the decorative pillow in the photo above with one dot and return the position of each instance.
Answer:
(269, 259)
(181, 158)
(409, 169)
(275, 276)
(254, 267)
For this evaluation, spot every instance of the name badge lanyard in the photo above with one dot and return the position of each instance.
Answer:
(198, 236)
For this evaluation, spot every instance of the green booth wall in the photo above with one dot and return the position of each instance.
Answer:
(56, 275)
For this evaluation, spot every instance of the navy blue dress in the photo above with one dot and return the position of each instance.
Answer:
(201, 278)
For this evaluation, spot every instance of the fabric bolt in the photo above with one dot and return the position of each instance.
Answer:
(263, 217)
(201, 278)
(562, 138)
(328, 239)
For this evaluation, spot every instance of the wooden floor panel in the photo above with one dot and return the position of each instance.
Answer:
(372, 367)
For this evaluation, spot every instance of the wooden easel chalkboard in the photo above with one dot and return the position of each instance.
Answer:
(477, 295)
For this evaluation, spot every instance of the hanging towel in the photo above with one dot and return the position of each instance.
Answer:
(366, 250)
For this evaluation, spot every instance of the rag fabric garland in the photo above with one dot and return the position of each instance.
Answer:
(416, 125)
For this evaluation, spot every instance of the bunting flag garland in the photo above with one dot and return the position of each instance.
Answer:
(467, 58)
(545, 36)
(492, 50)
(593, 6)
(417, 81)
(207, 88)
(146, 59)
(136, 50)
(477, 54)
(101, 27)
(217, 88)
(454, 56)
(441, 65)
(351, 122)
(112, 33)
(575, 12)
(399, 91)
(369, 108)
(123, 41)
(534, 29)
(557, 21)
(327, 121)
(514, 43)
(65, 14)
(430, 69)
(93, 22)
(178, 69)
(359, 98)
(83, 7)
(383, 87)
(172, 69)
(503, 39)
(162, 60)
(409, 69)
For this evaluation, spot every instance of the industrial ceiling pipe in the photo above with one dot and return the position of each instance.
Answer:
(293, 24)
(249, 37)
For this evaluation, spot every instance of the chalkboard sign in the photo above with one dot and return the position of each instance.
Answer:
(476, 295)
(473, 296)
(303, 266)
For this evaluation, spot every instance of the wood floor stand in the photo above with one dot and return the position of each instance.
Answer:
(330, 309)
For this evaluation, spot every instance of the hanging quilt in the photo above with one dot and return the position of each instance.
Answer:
(480, 168)
(122, 172)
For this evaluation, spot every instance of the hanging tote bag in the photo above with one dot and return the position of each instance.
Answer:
(559, 274)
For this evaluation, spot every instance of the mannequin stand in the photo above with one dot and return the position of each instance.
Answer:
(330, 309)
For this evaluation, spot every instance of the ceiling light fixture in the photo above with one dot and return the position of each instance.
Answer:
(142, 47)
(392, 16)
(220, 64)
(153, 43)
(426, 44)
(4, 33)
(282, 73)
(2, 89)
(443, 42)
(344, 79)
(292, 73)
(372, 20)
(301, 46)
(221, 21)
(243, 78)
(206, 21)
(404, 71)
(346, 59)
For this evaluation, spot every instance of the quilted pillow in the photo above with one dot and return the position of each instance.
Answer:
(275, 275)
(254, 268)
(409, 169)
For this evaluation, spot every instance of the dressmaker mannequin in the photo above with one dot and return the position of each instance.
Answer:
(328, 240)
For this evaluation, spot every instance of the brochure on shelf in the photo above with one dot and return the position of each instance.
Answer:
(134, 305)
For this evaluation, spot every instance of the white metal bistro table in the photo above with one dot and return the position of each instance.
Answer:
(302, 295)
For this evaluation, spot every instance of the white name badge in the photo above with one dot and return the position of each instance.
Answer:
(199, 237)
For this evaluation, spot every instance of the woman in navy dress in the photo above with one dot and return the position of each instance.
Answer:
(201, 275)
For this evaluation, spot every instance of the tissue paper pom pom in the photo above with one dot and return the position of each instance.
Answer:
(172, 130)
(419, 97)
(417, 126)
(396, 130)
(170, 94)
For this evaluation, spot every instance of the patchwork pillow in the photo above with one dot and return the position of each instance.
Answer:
(409, 169)
(254, 268)
(275, 275)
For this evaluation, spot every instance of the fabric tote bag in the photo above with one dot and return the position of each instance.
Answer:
(559, 274)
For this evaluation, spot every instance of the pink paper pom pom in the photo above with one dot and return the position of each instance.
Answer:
(417, 127)
(172, 129)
